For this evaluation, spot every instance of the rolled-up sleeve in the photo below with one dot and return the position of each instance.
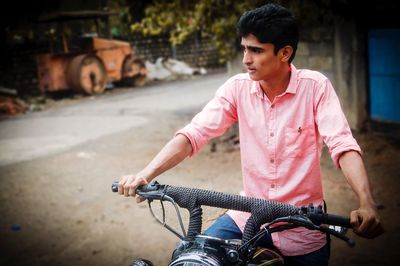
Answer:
(215, 118)
(332, 123)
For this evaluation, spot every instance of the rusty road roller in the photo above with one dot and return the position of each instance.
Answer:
(90, 65)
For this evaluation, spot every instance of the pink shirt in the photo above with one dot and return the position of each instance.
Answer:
(280, 143)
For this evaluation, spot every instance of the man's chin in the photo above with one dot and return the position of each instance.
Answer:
(254, 77)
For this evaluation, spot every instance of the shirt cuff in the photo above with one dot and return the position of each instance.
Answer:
(337, 154)
(185, 132)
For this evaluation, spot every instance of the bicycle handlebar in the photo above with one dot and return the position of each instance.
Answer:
(262, 211)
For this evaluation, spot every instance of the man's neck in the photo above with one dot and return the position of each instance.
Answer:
(277, 86)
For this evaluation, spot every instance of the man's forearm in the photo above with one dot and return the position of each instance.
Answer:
(353, 169)
(174, 152)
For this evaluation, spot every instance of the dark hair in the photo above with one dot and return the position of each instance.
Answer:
(273, 24)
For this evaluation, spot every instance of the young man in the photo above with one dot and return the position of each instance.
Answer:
(284, 114)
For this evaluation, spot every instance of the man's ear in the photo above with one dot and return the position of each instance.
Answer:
(285, 53)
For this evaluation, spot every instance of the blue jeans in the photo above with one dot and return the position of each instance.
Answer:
(226, 228)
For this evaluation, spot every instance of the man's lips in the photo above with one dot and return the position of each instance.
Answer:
(251, 69)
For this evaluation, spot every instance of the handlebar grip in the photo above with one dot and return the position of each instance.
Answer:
(336, 220)
(149, 191)
(114, 186)
(145, 188)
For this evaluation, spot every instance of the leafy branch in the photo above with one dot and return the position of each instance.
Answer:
(215, 19)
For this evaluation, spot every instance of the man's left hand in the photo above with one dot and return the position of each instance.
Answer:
(366, 222)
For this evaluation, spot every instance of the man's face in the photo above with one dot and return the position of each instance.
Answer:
(259, 59)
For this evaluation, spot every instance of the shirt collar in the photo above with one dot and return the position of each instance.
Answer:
(256, 89)
(292, 86)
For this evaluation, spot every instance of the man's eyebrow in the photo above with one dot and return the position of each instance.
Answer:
(252, 47)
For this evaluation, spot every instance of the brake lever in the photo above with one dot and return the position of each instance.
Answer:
(300, 220)
(163, 221)
(335, 233)
(152, 191)
(151, 195)
(306, 222)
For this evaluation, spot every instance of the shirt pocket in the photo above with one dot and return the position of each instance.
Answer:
(299, 141)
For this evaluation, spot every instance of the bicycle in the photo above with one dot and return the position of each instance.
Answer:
(270, 216)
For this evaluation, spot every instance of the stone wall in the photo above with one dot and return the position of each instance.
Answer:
(351, 71)
(197, 51)
(315, 51)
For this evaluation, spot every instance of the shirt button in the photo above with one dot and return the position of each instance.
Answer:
(272, 134)
(272, 185)
(272, 105)
(272, 160)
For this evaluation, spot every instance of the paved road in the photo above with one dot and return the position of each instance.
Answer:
(56, 168)
(52, 131)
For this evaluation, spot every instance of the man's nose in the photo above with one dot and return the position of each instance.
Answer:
(247, 60)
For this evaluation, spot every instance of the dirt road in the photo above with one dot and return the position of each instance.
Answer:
(57, 167)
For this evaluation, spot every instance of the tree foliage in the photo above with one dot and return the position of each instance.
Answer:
(215, 19)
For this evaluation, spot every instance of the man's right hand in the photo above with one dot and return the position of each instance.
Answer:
(128, 184)
(173, 153)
